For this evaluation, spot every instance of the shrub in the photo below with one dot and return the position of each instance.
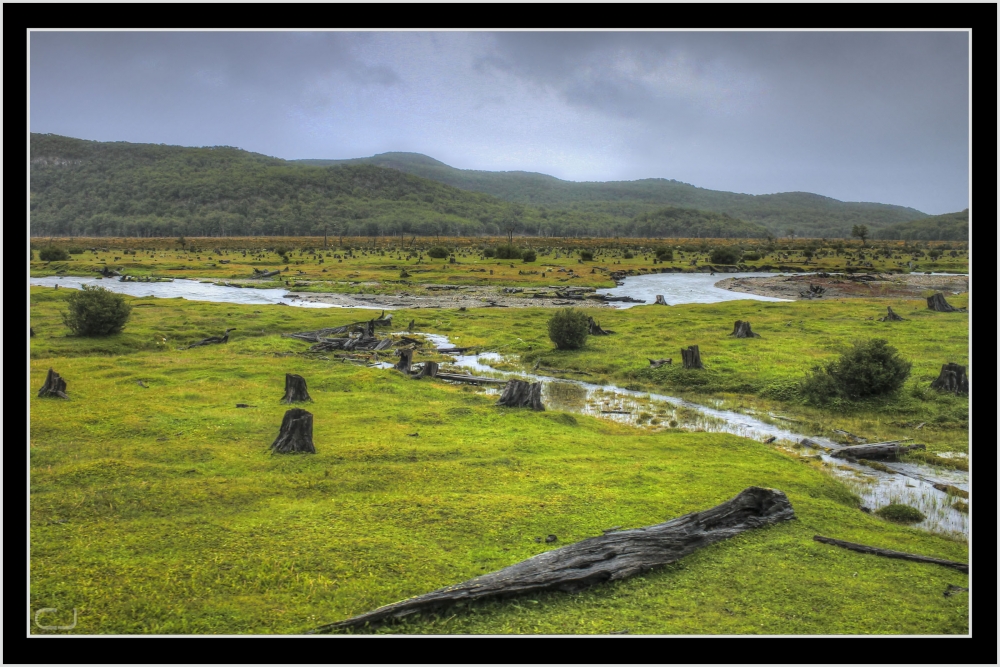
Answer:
(568, 328)
(899, 513)
(489, 252)
(529, 256)
(95, 311)
(934, 254)
(870, 368)
(438, 252)
(628, 255)
(76, 250)
(664, 254)
(586, 255)
(751, 257)
(725, 255)
(508, 252)
(53, 254)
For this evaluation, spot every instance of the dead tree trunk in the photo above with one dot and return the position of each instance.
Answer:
(31, 332)
(405, 359)
(656, 363)
(595, 328)
(875, 450)
(861, 548)
(891, 317)
(520, 394)
(691, 357)
(742, 330)
(296, 434)
(660, 301)
(612, 556)
(410, 327)
(937, 303)
(54, 386)
(428, 370)
(952, 379)
(295, 389)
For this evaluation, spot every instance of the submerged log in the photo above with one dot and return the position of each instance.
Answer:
(595, 328)
(891, 317)
(876, 450)
(613, 556)
(952, 379)
(938, 304)
(691, 357)
(861, 548)
(295, 389)
(428, 370)
(656, 363)
(520, 394)
(296, 434)
(742, 330)
(54, 386)
(405, 359)
(660, 301)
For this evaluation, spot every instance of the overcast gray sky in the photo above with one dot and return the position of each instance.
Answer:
(865, 116)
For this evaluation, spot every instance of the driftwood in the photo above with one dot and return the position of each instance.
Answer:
(742, 330)
(520, 394)
(656, 363)
(952, 379)
(850, 436)
(295, 389)
(613, 556)
(211, 340)
(660, 301)
(861, 548)
(452, 350)
(595, 328)
(691, 357)
(471, 379)
(428, 370)
(54, 386)
(815, 292)
(296, 434)
(891, 317)
(405, 359)
(876, 450)
(937, 303)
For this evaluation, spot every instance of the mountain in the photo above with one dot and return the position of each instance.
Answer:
(90, 188)
(945, 227)
(806, 213)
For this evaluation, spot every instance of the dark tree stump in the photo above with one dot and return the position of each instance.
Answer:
(520, 394)
(296, 434)
(660, 301)
(405, 359)
(370, 329)
(613, 556)
(891, 317)
(595, 328)
(31, 332)
(54, 386)
(410, 327)
(938, 304)
(875, 450)
(428, 370)
(295, 389)
(656, 363)
(952, 379)
(691, 357)
(742, 330)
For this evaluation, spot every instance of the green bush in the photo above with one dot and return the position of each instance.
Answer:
(438, 252)
(628, 255)
(751, 257)
(489, 252)
(508, 252)
(529, 256)
(77, 250)
(586, 255)
(53, 254)
(870, 368)
(568, 329)
(664, 254)
(899, 513)
(95, 311)
(725, 255)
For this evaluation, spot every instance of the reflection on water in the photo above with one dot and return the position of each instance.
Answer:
(678, 288)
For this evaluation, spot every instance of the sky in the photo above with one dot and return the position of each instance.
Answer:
(857, 116)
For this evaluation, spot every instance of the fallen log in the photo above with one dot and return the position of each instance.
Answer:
(452, 350)
(612, 556)
(691, 357)
(952, 379)
(938, 304)
(295, 389)
(471, 379)
(656, 363)
(861, 548)
(521, 394)
(211, 340)
(296, 433)
(876, 450)
(257, 273)
(54, 386)
(891, 317)
(742, 330)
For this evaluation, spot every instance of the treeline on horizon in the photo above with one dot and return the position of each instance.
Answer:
(86, 188)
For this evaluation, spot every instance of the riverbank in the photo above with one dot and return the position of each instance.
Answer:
(845, 286)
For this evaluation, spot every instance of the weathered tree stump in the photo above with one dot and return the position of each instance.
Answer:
(405, 359)
(520, 394)
(937, 303)
(31, 332)
(691, 357)
(861, 548)
(296, 434)
(875, 450)
(613, 556)
(952, 379)
(891, 317)
(595, 328)
(370, 329)
(54, 386)
(411, 325)
(742, 330)
(295, 389)
(428, 370)
(660, 301)
(656, 363)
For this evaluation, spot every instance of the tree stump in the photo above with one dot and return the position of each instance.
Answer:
(31, 332)
(660, 301)
(295, 389)
(296, 434)
(370, 329)
(54, 386)
(937, 303)
(656, 363)
(742, 330)
(691, 357)
(891, 317)
(405, 359)
(410, 327)
(952, 379)
(595, 328)
(520, 394)
(428, 370)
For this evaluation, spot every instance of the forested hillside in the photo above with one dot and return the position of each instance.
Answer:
(946, 227)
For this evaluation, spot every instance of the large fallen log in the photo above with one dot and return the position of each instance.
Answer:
(952, 379)
(612, 556)
(257, 273)
(521, 394)
(876, 450)
(861, 548)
